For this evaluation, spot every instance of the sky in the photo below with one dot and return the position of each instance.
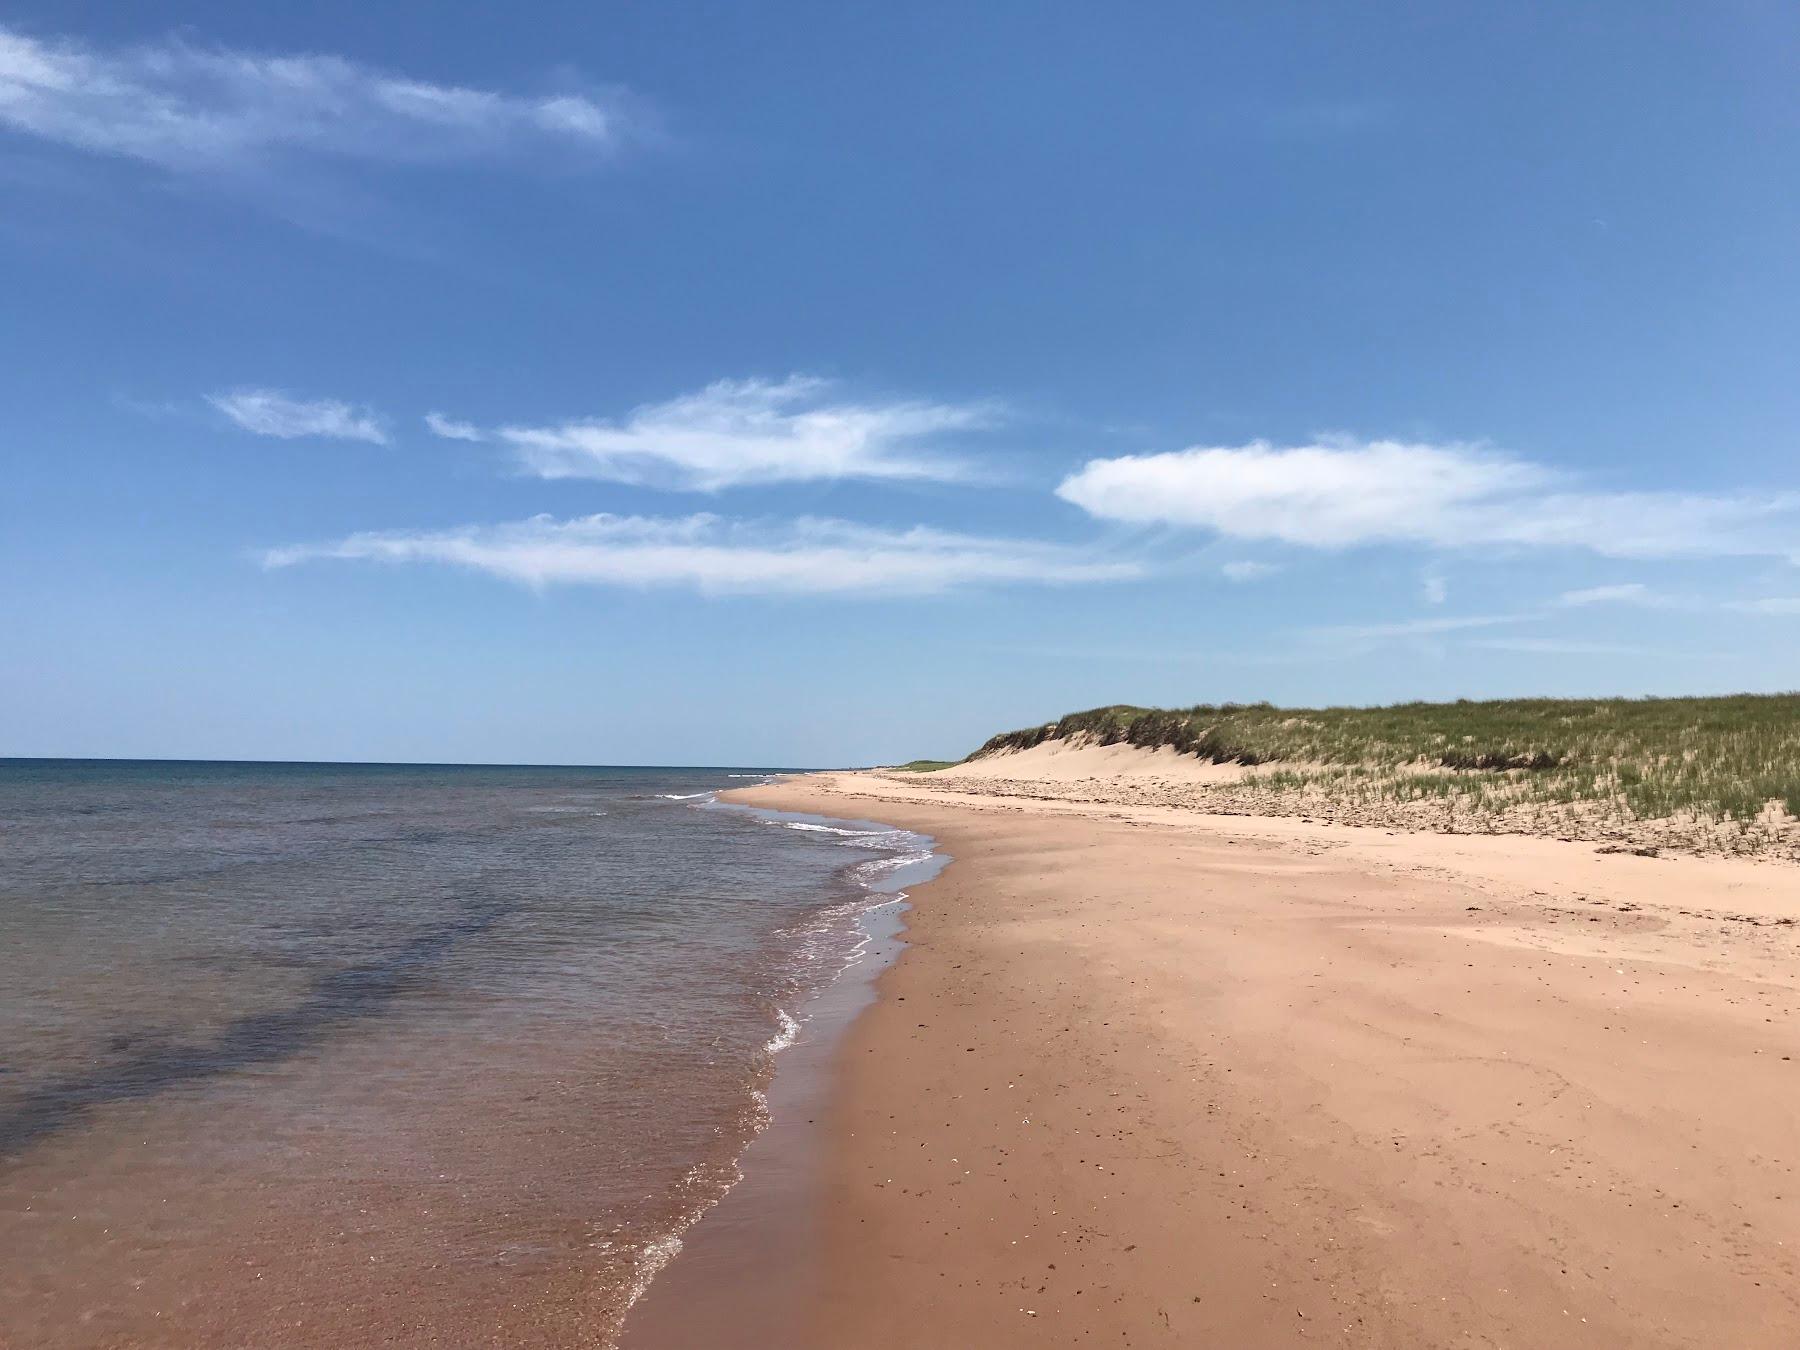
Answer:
(816, 384)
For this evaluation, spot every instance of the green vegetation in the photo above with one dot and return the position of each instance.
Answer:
(926, 765)
(1704, 759)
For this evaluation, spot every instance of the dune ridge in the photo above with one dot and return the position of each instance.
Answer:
(1718, 776)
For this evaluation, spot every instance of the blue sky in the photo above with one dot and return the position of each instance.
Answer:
(825, 383)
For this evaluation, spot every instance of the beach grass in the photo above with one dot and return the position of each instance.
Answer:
(926, 765)
(1731, 760)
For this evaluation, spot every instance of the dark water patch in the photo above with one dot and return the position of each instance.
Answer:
(157, 1061)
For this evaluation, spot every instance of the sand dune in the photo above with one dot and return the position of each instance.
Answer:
(1066, 762)
(1120, 774)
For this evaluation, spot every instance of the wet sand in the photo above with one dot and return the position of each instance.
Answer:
(749, 1272)
(1149, 1077)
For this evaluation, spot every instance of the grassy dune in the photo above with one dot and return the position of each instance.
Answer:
(1708, 772)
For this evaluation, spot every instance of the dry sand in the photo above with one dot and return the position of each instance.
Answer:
(1149, 1077)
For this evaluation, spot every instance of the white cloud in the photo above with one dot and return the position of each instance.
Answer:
(736, 432)
(1344, 493)
(1541, 646)
(1318, 495)
(1435, 586)
(1248, 571)
(451, 429)
(714, 555)
(1628, 593)
(196, 109)
(1411, 627)
(268, 412)
(1774, 604)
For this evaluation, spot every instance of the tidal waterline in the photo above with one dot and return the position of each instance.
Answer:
(296, 1050)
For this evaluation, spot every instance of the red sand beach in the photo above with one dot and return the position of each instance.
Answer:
(1149, 1077)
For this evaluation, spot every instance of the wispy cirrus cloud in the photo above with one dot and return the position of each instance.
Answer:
(189, 109)
(451, 429)
(269, 412)
(1247, 570)
(738, 432)
(1550, 646)
(1411, 628)
(1340, 494)
(1625, 593)
(1470, 632)
(1768, 604)
(713, 555)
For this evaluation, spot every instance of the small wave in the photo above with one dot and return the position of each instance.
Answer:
(833, 829)
(653, 1257)
(876, 866)
(787, 1032)
(682, 796)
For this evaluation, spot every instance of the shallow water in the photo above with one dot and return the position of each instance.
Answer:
(299, 1054)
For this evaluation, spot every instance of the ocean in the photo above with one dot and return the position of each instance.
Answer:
(356, 1054)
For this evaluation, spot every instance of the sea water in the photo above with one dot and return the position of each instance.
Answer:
(332, 1054)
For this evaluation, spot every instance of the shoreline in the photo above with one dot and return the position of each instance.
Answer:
(745, 1271)
(1147, 1077)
